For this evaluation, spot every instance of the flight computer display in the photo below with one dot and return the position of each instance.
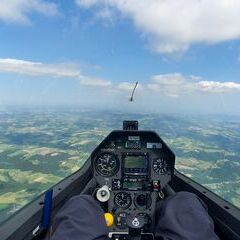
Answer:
(135, 164)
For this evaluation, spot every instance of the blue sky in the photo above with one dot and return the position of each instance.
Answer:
(90, 53)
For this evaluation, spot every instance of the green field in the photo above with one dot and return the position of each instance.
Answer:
(38, 149)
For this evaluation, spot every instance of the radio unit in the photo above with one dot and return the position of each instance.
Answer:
(136, 184)
(132, 184)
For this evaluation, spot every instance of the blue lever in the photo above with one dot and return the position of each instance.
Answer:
(47, 210)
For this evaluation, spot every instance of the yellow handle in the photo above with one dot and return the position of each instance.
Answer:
(109, 219)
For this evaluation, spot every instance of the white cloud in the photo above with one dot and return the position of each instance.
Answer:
(174, 25)
(172, 85)
(51, 70)
(37, 68)
(176, 84)
(17, 11)
(219, 87)
(128, 86)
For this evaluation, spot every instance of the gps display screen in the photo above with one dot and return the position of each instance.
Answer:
(135, 164)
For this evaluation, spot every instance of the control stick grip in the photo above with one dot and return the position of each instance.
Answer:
(135, 224)
(103, 194)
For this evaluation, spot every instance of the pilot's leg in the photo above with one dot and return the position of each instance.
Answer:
(184, 216)
(80, 218)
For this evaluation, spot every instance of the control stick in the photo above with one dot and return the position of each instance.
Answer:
(135, 224)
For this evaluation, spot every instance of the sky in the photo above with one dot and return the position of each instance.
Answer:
(185, 54)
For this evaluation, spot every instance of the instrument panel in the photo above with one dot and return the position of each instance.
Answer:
(134, 166)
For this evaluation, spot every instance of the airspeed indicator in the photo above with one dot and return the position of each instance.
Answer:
(107, 164)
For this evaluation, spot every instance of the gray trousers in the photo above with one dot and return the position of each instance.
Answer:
(182, 216)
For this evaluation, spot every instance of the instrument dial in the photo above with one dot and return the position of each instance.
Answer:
(107, 164)
(160, 166)
(123, 200)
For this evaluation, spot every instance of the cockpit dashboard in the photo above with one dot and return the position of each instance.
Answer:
(131, 169)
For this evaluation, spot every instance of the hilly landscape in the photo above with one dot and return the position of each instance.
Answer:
(39, 148)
